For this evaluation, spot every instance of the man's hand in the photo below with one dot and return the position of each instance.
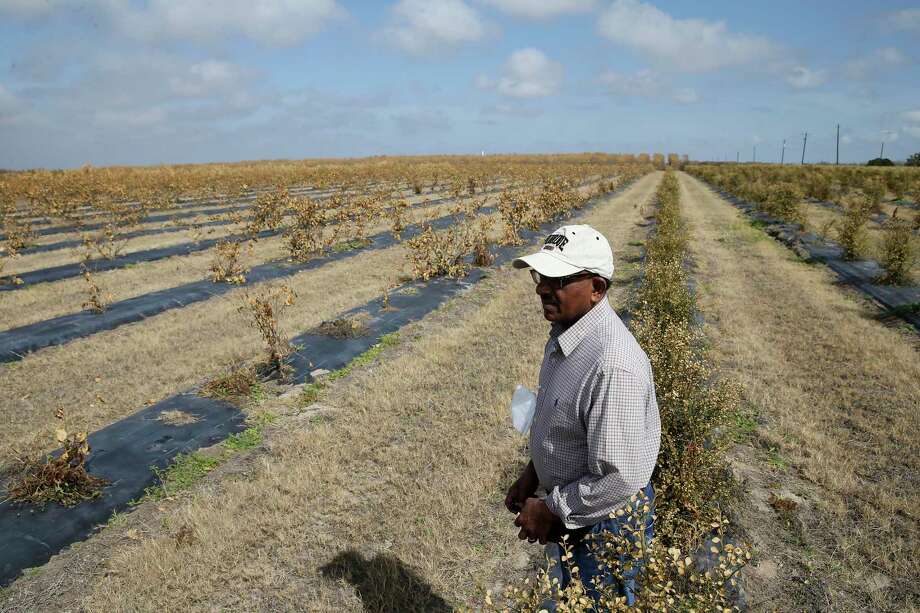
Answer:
(536, 521)
(522, 489)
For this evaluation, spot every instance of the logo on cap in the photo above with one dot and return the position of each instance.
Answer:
(554, 241)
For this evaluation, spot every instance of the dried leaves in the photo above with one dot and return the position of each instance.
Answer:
(264, 309)
(61, 478)
(226, 266)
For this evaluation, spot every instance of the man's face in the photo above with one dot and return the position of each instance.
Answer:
(566, 304)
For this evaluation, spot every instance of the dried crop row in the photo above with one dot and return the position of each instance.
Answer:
(24, 240)
(120, 217)
(689, 564)
(348, 233)
(833, 183)
(174, 349)
(60, 193)
(45, 301)
(780, 192)
(109, 243)
(865, 234)
(107, 250)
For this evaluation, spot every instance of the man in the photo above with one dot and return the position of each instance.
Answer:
(596, 429)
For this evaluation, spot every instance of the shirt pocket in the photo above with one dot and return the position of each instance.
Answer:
(563, 424)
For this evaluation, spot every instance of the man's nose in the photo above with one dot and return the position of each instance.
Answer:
(543, 288)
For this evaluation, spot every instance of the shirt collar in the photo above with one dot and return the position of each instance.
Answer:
(569, 338)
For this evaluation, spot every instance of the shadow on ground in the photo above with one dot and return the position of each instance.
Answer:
(385, 583)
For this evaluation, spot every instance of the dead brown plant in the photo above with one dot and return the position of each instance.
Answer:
(60, 478)
(226, 266)
(97, 299)
(264, 309)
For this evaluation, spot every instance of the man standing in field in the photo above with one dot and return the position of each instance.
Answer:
(596, 429)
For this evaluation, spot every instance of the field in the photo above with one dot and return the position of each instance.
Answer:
(317, 357)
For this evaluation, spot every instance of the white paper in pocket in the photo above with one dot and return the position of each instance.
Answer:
(523, 405)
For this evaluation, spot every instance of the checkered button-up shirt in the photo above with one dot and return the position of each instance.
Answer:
(596, 429)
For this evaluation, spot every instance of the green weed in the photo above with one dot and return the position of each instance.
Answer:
(247, 439)
(775, 459)
(311, 392)
(184, 471)
(744, 426)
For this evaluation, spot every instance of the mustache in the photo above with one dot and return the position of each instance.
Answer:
(549, 302)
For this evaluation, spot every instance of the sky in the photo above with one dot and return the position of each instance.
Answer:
(125, 82)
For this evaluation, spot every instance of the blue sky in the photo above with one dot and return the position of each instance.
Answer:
(158, 81)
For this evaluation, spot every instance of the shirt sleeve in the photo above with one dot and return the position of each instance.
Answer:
(623, 434)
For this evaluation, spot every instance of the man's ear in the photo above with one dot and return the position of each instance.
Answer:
(599, 287)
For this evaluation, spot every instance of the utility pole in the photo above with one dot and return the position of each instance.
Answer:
(882, 152)
(837, 163)
(782, 155)
(804, 141)
(737, 157)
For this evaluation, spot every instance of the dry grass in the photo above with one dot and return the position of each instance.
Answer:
(174, 417)
(392, 501)
(838, 392)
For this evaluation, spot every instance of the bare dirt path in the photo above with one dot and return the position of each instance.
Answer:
(389, 499)
(831, 470)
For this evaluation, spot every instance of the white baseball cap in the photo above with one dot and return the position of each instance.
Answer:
(569, 250)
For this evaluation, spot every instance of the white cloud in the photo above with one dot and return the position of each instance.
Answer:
(11, 108)
(26, 8)
(646, 84)
(869, 65)
(8, 101)
(157, 77)
(424, 26)
(131, 118)
(690, 45)
(643, 83)
(541, 9)
(413, 122)
(913, 122)
(907, 20)
(528, 73)
(801, 77)
(206, 78)
(686, 95)
(889, 136)
(272, 22)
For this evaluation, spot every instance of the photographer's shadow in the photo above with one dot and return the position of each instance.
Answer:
(384, 583)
